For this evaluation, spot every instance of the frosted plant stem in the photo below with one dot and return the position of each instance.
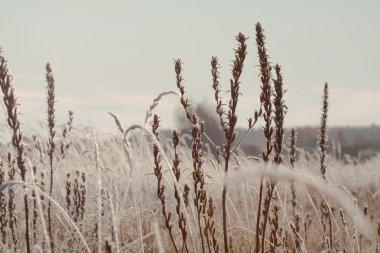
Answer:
(42, 218)
(65, 214)
(99, 197)
(176, 185)
(115, 225)
(137, 208)
(316, 213)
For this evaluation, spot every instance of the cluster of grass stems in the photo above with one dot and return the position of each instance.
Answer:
(139, 191)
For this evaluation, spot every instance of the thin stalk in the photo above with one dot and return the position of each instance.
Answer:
(224, 206)
(51, 144)
(61, 209)
(99, 197)
(10, 102)
(265, 99)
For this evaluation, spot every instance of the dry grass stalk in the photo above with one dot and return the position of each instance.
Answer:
(109, 245)
(99, 195)
(295, 225)
(3, 206)
(190, 114)
(68, 193)
(185, 195)
(280, 110)
(51, 143)
(65, 144)
(38, 147)
(275, 233)
(155, 103)
(266, 90)
(284, 242)
(11, 199)
(35, 211)
(9, 99)
(293, 148)
(323, 132)
(230, 245)
(279, 114)
(76, 195)
(344, 222)
(216, 86)
(265, 99)
(219, 103)
(298, 238)
(59, 208)
(200, 198)
(184, 101)
(160, 187)
(378, 238)
(228, 123)
(39, 207)
(126, 144)
(177, 173)
(76, 198)
(210, 227)
(229, 126)
(43, 185)
(82, 194)
(326, 217)
(117, 122)
(323, 138)
(237, 69)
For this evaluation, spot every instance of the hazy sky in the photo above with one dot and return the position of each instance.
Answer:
(116, 56)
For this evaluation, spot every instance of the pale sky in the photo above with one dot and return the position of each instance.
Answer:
(116, 56)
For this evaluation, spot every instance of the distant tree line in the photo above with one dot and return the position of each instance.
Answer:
(359, 142)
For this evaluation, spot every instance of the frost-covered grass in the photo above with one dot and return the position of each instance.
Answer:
(131, 211)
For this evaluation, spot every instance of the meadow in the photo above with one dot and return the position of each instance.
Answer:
(78, 190)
